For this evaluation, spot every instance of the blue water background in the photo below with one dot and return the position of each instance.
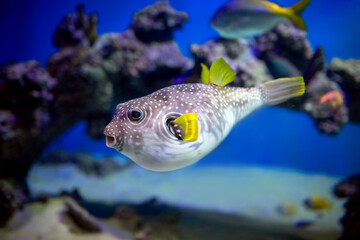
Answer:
(269, 137)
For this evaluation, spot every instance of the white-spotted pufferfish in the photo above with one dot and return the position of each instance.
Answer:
(178, 125)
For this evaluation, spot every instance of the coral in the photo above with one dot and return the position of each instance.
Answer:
(250, 70)
(328, 119)
(350, 188)
(347, 74)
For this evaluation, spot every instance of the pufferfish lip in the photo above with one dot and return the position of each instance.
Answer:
(113, 143)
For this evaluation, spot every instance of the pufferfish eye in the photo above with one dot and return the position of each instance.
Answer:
(136, 115)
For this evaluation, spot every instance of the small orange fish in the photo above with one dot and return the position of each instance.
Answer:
(333, 98)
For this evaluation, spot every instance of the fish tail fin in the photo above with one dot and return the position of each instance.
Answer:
(281, 90)
(299, 7)
(294, 14)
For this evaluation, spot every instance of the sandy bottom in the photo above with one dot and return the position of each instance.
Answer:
(48, 221)
(251, 193)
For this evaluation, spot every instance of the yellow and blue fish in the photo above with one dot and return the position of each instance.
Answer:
(178, 125)
(318, 203)
(243, 18)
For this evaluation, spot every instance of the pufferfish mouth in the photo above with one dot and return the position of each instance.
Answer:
(113, 143)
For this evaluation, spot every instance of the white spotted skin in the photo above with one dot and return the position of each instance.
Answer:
(151, 144)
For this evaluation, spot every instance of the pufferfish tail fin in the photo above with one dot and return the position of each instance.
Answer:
(220, 73)
(282, 89)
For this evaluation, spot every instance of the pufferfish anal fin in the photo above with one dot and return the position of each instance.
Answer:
(220, 73)
(186, 127)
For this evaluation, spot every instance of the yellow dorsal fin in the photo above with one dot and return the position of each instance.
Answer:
(204, 74)
(270, 6)
(186, 127)
(220, 73)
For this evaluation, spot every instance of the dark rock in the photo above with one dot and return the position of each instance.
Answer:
(98, 167)
(82, 217)
(43, 198)
(316, 64)
(350, 188)
(26, 94)
(129, 218)
(86, 163)
(76, 30)
(347, 74)
(170, 218)
(13, 197)
(150, 202)
(83, 86)
(250, 70)
(7, 125)
(157, 22)
(86, 78)
(25, 85)
(288, 42)
(348, 70)
(74, 194)
(124, 63)
(144, 234)
(96, 123)
(137, 68)
(56, 157)
(278, 66)
(109, 165)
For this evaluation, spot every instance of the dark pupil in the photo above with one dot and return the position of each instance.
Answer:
(136, 115)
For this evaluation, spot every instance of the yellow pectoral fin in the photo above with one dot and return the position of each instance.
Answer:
(189, 127)
(221, 73)
(204, 74)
